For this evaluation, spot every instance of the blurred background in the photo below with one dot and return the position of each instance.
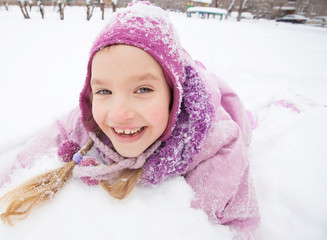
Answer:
(268, 9)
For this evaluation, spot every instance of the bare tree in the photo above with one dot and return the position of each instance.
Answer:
(89, 9)
(114, 5)
(30, 4)
(240, 9)
(102, 9)
(230, 8)
(248, 5)
(5, 3)
(91, 5)
(61, 6)
(41, 7)
(23, 7)
(244, 4)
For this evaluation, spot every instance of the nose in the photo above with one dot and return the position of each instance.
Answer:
(121, 111)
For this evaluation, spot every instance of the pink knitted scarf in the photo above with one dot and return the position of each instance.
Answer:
(107, 172)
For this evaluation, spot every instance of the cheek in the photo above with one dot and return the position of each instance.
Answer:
(162, 121)
(98, 115)
(160, 115)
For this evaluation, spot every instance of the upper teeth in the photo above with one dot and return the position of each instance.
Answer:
(127, 131)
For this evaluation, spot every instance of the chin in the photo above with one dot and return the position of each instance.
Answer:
(129, 154)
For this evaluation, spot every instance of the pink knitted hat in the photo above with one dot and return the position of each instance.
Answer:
(147, 27)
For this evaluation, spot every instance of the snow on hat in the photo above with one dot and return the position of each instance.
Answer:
(147, 27)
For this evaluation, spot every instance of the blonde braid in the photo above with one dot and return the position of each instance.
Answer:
(21, 200)
(125, 183)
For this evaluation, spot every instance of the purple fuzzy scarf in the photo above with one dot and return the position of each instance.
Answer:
(192, 125)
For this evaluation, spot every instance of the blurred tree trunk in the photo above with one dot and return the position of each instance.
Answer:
(102, 9)
(230, 9)
(6, 5)
(89, 10)
(61, 10)
(114, 5)
(23, 8)
(41, 7)
(271, 9)
(240, 11)
(30, 4)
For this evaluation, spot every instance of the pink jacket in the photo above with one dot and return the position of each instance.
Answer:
(220, 173)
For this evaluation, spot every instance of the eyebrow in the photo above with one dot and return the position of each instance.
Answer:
(146, 76)
(139, 78)
(97, 81)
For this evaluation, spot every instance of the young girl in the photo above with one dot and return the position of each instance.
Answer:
(148, 112)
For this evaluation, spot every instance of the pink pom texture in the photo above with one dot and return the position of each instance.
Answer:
(67, 150)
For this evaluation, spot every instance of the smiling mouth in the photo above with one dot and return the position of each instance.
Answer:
(128, 132)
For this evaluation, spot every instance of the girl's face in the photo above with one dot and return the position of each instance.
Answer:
(131, 98)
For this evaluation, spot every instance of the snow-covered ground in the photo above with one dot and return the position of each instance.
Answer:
(279, 70)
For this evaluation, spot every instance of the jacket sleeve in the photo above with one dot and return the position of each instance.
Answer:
(68, 127)
(220, 173)
(222, 184)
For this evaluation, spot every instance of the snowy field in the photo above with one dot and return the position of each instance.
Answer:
(280, 72)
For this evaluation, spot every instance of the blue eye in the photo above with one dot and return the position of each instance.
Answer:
(103, 92)
(143, 90)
